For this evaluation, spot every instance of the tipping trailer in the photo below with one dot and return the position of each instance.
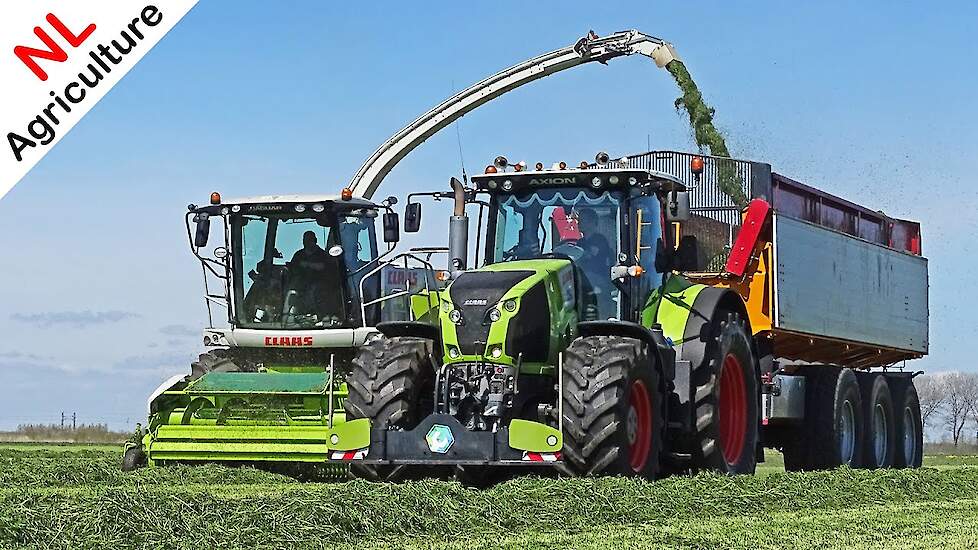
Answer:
(630, 319)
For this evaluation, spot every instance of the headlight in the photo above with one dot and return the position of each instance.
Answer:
(509, 305)
(453, 352)
(496, 352)
(446, 306)
(495, 315)
(596, 181)
(507, 185)
(318, 208)
(300, 208)
(455, 316)
(236, 208)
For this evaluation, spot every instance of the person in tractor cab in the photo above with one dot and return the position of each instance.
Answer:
(598, 260)
(312, 273)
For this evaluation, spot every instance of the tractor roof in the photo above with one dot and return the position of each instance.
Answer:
(608, 178)
(355, 202)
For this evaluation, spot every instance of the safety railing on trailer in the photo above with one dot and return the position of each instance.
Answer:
(408, 262)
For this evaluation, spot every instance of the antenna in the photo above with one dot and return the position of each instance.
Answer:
(458, 137)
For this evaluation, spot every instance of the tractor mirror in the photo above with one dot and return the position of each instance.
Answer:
(677, 209)
(392, 227)
(412, 217)
(203, 230)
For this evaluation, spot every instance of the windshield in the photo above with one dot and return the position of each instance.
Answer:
(580, 225)
(288, 272)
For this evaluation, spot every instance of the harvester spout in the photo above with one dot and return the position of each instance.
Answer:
(458, 231)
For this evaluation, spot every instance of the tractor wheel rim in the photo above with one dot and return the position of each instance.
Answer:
(733, 409)
(639, 426)
(880, 443)
(847, 439)
(909, 437)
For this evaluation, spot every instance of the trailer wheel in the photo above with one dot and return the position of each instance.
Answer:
(218, 360)
(726, 401)
(831, 434)
(909, 428)
(614, 408)
(880, 440)
(391, 384)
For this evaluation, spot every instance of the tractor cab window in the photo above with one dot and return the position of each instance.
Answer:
(580, 225)
(289, 273)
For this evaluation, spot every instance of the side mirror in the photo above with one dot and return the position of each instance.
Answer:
(392, 227)
(203, 230)
(677, 209)
(688, 254)
(412, 217)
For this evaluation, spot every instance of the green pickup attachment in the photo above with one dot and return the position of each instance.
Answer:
(255, 417)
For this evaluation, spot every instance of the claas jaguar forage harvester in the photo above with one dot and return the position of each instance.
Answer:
(630, 319)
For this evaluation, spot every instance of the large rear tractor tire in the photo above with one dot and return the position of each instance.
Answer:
(613, 408)
(879, 443)
(909, 428)
(832, 433)
(391, 383)
(726, 401)
(218, 360)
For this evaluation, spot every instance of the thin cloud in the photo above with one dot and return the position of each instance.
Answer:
(73, 319)
(181, 331)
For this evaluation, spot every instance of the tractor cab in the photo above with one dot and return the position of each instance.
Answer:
(610, 223)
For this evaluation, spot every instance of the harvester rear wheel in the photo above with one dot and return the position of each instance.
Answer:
(726, 400)
(909, 427)
(391, 383)
(218, 360)
(831, 434)
(880, 440)
(613, 408)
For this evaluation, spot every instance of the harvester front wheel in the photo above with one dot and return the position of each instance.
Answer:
(391, 383)
(613, 408)
(218, 360)
(726, 400)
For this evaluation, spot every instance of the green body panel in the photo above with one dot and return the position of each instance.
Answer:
(671, 305)
(256, 443)
(424, 306)
(260, 382)
(527, 435)
(563, 315)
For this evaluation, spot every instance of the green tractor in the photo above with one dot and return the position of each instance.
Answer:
(578, 344)
(299, 280)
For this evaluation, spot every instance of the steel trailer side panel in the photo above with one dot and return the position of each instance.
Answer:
(833, 285)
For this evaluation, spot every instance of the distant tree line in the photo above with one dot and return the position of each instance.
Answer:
(949, 404)
(81, 433)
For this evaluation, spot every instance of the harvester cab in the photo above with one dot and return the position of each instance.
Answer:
(290, 276)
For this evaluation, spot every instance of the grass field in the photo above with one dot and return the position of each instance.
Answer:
(67, 496)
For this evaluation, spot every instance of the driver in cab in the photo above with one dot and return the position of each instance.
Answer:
(598, 260)
(312, 278)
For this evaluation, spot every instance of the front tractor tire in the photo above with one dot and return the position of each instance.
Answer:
(726, 400)
(391, 383)
(613, 408)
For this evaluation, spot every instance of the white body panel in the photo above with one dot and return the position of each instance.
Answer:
(288, 339)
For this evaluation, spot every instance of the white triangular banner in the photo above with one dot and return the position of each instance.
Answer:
(58, 59)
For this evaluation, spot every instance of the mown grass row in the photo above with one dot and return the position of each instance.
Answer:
(317, 514)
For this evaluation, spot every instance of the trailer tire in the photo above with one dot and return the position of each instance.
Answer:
(726, 416)
(218, 360)
(909, 441)
(391, 384)
(879, 441)
(831, 434)
(613, 408)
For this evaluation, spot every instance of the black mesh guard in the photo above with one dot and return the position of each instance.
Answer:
(474, 293)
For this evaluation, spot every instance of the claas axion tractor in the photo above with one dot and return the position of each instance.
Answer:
(594, 339)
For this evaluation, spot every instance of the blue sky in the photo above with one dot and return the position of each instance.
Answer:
(102, 299)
